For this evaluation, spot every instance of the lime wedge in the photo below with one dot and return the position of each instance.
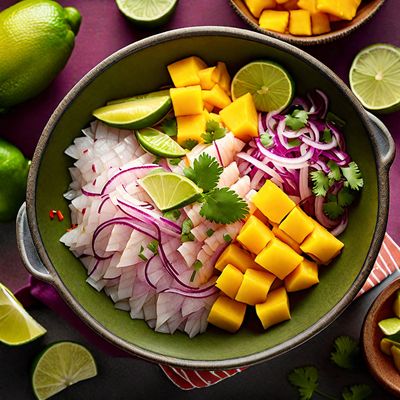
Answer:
(386, 344)
(390, 326)
(271, 86)
(375, 77)
(169, 190)
(149, 13)
(136, 113)
(16, 325)
(59, 366)
(159, 143)
(159, 93)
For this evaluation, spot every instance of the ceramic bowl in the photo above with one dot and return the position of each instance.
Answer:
(340, 29)
(380, 365)
(140, 68)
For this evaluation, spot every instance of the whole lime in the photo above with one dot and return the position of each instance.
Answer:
(36, 40)
(14, 168)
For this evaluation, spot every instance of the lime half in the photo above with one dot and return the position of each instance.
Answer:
(159, 143)
(270, 85)
(149, 13)
(137, 113)
(390, 326)
(169, 190)
(16, 325)
(375, 77)
(59, 366)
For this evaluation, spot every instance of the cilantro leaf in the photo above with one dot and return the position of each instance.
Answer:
(266, 140)
(345, 197)
(187, 226)
(296, 120)
(334, 173)
(331, 117)
(153, 246)
(205, 172)
(353, 176)
(210, 232)
(172, 215)
(294, 143)
(174, 161)
(227, 238)
(141, 255)
(357, 392)
(305, 380)
(320, 183)
(196, 267)
(332, 209)
(327, 135)
(345, 352)
(169, 127)
(190, 144)
(223, 206)
(214, 131)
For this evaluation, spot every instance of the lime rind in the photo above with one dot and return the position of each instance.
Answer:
(390, 326)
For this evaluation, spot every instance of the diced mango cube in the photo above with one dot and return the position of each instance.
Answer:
(241, 117)
(303, 277)
(187, 100)
(256, 6)
(209, 77)
(217, 97)
(300, 23)
(320, 23)
(290, 5)
(185, 72)
(333, 18)
(227, 314)
(344, 9)
(254, 235)
(274, 20)
(224, 77)
(273, 202)
(191, 127)
(309, 5)
(321, 245)
(254, 287)
(208, 107)
(278, 258)
(275, 309)
(298, 225)
(236, 256)
(286, 238)
(229, 281)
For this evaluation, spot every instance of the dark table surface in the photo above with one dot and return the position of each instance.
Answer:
(103, 31)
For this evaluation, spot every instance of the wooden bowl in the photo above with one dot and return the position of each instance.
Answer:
(380, 365)
(366, 10)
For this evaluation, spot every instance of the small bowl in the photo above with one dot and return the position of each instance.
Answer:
(380, 365)
(367, 9)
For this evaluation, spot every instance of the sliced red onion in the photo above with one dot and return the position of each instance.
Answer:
(218, 153)
(342, 225)
(261, 166)
(319, 213)
(319, 145)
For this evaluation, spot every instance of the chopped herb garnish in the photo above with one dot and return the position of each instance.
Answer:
(174, 161)
(157, 160)
(227, 238)
(346, 352)
(189, 237)
(169, 127)
(210, 232)
(346, 196)
(320, 183)
(141, 255)
(196, 267)
(294, 142)
(172, 215)
(305, 380)
(327, 135)
(190, 144)
(353, 176)
(331, 117)
(297, 120)
(357, 392)
(153, 246)
(266, 140)
(187, 226)
(214, 131)
(332, 209)
(334, 173)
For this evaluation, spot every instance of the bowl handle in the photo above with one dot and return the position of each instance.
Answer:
(384, 140)
(26, 247)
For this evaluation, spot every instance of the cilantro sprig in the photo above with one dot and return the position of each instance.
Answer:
(214, 131)
(169, 126)
(297, 120)
(346, 352)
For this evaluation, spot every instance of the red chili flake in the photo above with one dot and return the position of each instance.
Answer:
(83, 211)
(85, 151)
(94, 182)
(93, 168)
(51, 214)
(59, 215)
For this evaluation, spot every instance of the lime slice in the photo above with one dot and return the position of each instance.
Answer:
(136, 113)
(149, 13)
(159, 143)
(271, 86)
(16, 325)
(59, 366)
(390, 326)
(169, 190)
(375, 77)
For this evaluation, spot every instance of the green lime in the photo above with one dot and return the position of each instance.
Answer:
(270, 85)
(396, 356)
(386, 344)
(14, 168)
(164, 92)
(390, 326)
(16, 325)
(375, 77)
(148, 13)
(159, 143)
(61, 365)
(169, 190)
(36, 40)
(140, 112)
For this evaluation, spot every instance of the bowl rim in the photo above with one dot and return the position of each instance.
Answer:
(307, 40)
(382, 169)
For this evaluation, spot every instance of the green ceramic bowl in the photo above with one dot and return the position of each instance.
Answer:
(140, 68)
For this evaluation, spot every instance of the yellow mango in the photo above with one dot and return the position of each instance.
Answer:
(286, 238)
(185, 72)
(273, 202)
(191, 127)
(290, 5)
(217, 97)
(321, 245)
(298, 225)
(224, 78)
(303, 277)
(208, 107)
(209, 77)
(333, 18)
(274, 20)
(254, 235)
(300, 23)
(343, 9)
(309, 5)
(215, 117)
(187, 100)
(254, 287)
(275, 309)
(229, 281)
(227, 314)
(320, 23)
(278, 258)
(256, 6)
(236, 256)
(241, 117)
